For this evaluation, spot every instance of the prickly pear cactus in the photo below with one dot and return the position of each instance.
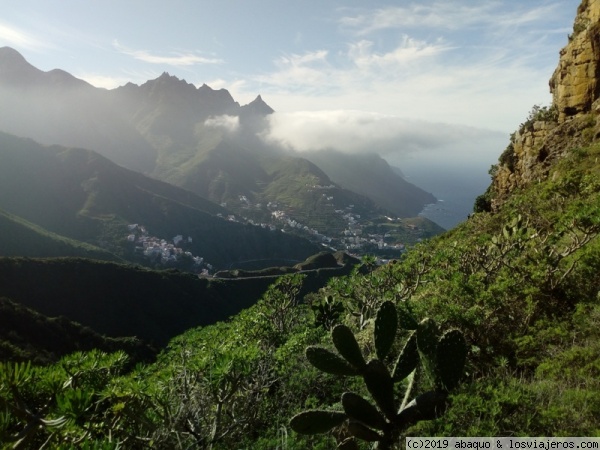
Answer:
(383, 422)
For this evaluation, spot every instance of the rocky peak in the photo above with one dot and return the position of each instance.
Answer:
(258, 106)
(575, 83)
(571, 120)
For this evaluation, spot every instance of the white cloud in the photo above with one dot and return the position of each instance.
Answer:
(299, 71)
(226, 122)
(410, 50)
(20, 39)
(445, 15)
(178, 59)
(103, 81)
(480, 63)
(360, 131)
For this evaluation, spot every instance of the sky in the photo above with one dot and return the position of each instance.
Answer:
(441, 80)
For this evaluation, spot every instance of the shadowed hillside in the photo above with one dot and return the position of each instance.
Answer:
(81, 195)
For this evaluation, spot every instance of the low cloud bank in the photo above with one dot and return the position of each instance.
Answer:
(390, 136)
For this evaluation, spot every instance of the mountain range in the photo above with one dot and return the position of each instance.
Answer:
(200, 139)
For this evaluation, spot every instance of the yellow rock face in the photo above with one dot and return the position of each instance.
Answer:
(574, 84)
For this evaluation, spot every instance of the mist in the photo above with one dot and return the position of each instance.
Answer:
(450, 161)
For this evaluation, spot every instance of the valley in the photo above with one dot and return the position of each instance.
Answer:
(171, 279)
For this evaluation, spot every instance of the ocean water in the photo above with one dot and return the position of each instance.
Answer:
(455, 187)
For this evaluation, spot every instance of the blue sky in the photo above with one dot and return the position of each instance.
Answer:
(452, 76)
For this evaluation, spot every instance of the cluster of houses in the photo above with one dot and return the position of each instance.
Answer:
(165, 252)
(281, 216)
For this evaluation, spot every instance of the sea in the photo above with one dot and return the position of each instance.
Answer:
(454, 187)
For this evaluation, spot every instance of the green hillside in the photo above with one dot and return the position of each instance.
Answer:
(200, 139)
(26, 335)
(83, 196)
(22, 238)
(371, 176)
(120, 300)
(521, 284)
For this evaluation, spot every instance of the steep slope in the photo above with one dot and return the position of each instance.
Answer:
(54, 107)
(207, 143)
(550, 133)
(26, 335)
(371, 176)
(520, 280)
(82, 195)
(118, 300)
(22, 238)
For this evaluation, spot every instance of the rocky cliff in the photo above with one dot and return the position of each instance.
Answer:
(571, 120)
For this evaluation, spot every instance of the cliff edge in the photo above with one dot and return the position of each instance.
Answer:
(571, 121)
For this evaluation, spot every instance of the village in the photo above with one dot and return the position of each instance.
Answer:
(353, 238)
(160, 251)
(358, 237)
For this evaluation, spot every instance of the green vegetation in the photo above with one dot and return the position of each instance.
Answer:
(22, 238)
(443, 358)
(56, 196)
(516, 293)
(521, 285)
(26, 335)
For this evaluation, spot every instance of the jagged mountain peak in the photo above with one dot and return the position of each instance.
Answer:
(258, 105)
(167, 80)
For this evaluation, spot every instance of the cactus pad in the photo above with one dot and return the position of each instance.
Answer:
(361, 431)
(427, 406)
(380, 385)
(451, 356)
(357, 408)
(406, 320)
(328, 362)
(316, 421)
(346, 344)
(386, 325)
(407, 360)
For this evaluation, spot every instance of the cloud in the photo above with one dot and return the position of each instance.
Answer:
(480, 63)
(445, 15)
(226, 122)
(295, 71)
(362, 54)
(353, 131)
(20, 39)
(103, 81)
(178, 59)
(359, 64)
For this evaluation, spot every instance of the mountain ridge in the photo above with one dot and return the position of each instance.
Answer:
(171, 130)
